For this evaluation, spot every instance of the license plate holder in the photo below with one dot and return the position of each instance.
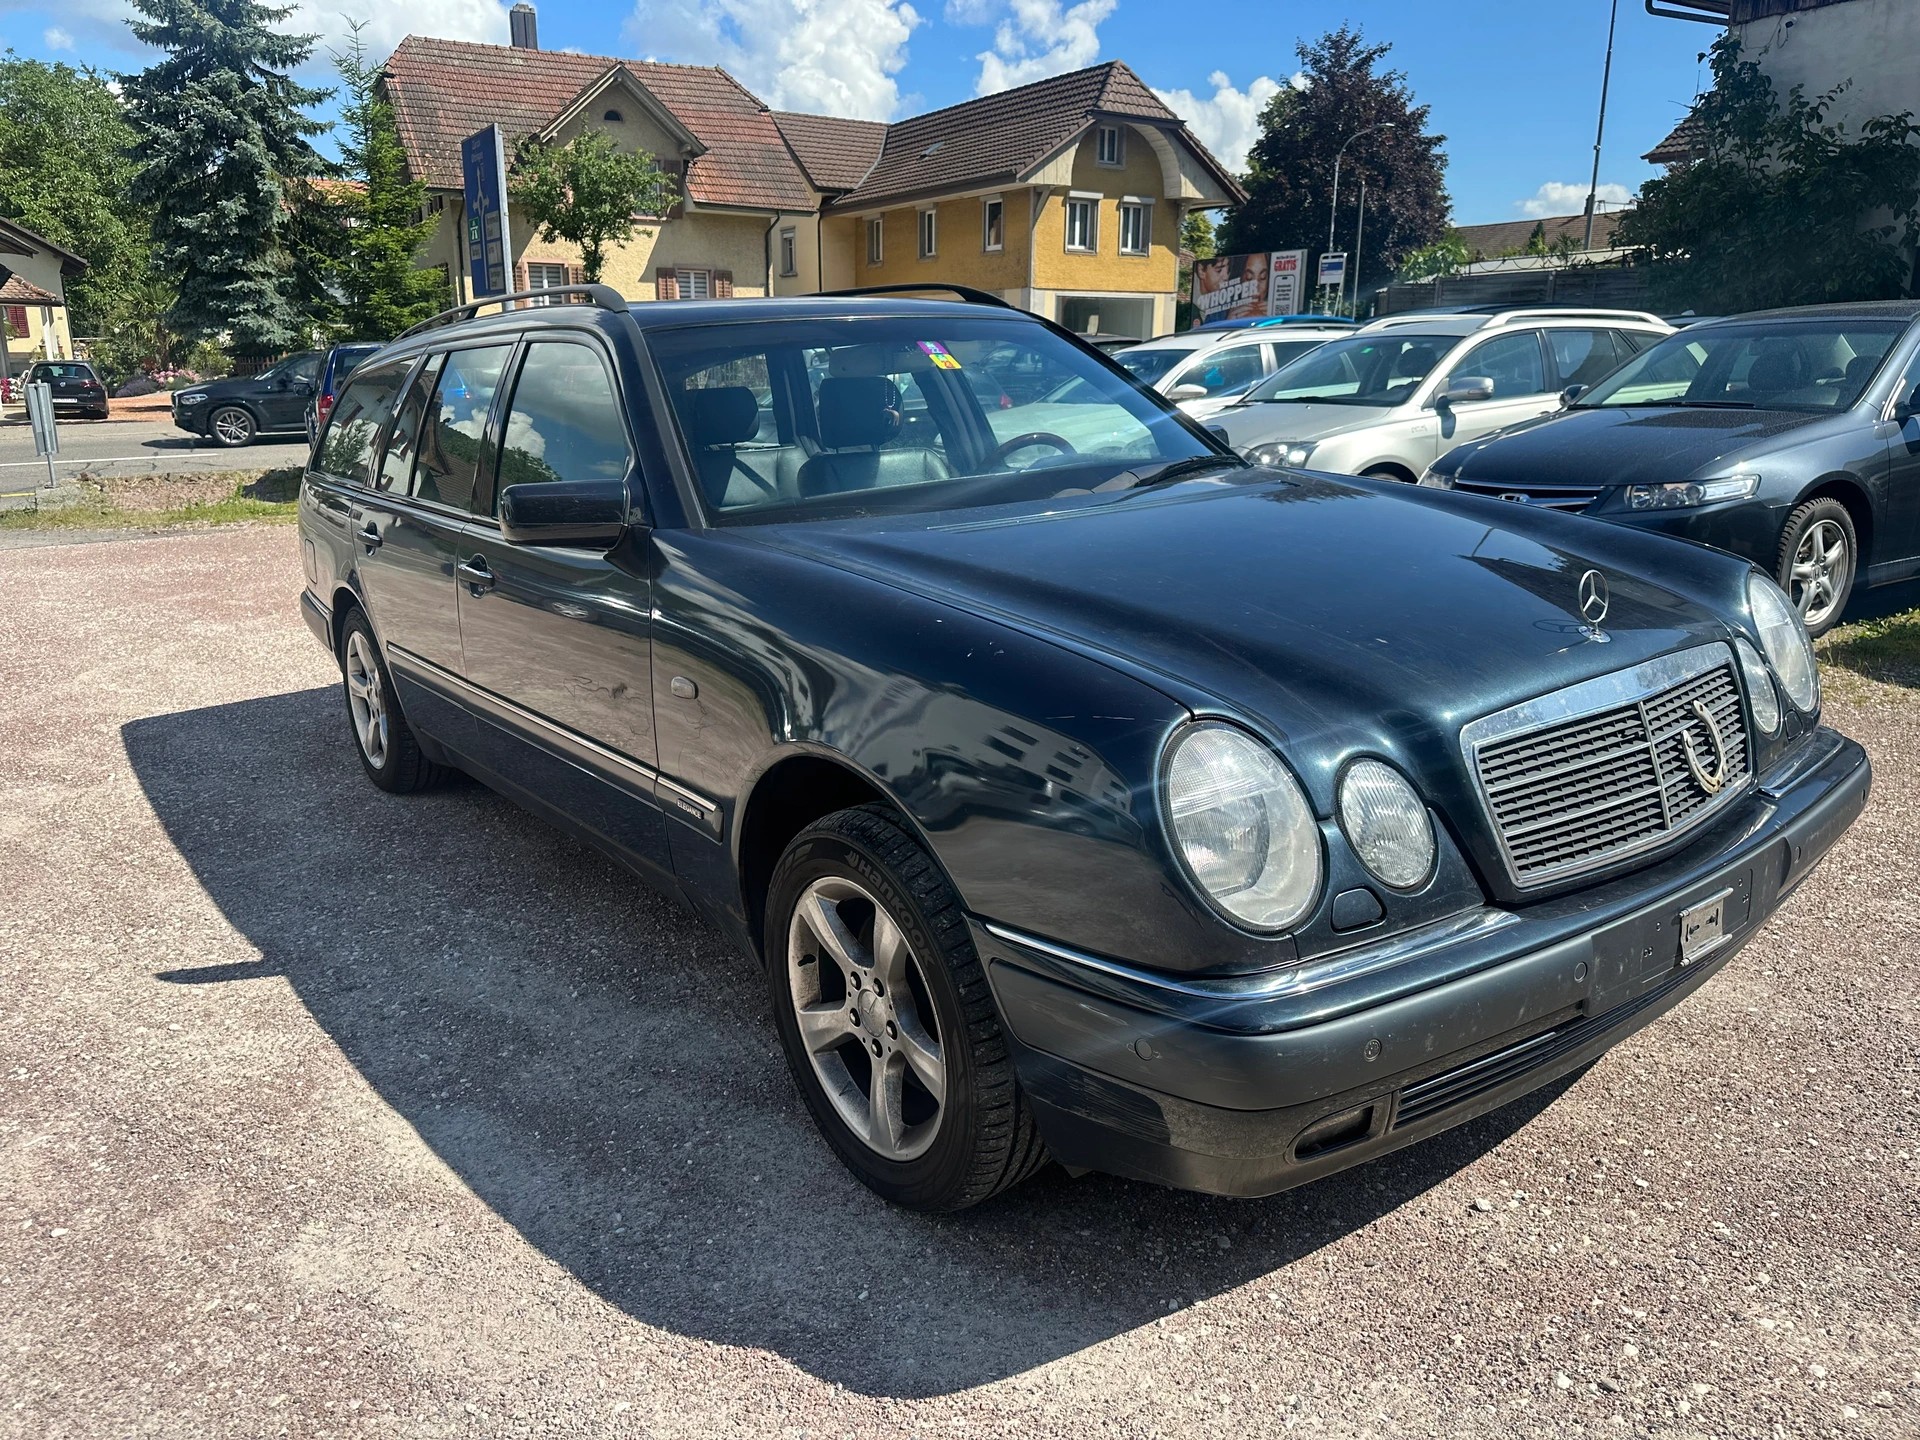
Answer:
(1703, 927)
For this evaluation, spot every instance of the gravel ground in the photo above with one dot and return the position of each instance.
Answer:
(329, 1113)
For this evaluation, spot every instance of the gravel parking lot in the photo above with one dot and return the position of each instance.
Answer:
(327, 1112)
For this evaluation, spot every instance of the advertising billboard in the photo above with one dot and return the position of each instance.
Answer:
(483, 161)
(1246, 287)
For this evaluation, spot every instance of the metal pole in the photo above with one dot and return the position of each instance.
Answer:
(1359, 239)
(1333, 211)
(1600, 135)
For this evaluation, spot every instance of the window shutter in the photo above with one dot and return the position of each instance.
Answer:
(666, 285)
(520, 275)
(576, 275)
(723, 284)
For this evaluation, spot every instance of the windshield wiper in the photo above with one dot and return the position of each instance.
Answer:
(1301, 399)
(1171, 470)
(1669, 405)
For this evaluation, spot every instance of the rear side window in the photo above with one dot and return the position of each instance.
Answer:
(346, 449)
(565, 422)
(456, 425)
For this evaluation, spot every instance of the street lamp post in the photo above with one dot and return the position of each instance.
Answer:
(1333, 211)
(1606, 82)
(1359, 240)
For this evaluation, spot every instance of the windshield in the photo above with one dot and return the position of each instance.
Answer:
(1757, 365)
(1378, 370)
(1148, 365)
(807, 418)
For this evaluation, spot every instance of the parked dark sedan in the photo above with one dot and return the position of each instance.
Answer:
(1104, 798)
(74, 386)
(238, 410)
(1791, 437)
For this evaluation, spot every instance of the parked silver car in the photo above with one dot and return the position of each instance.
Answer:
(1390, 399)
(1202, 371)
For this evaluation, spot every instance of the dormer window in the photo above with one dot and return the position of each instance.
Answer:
(1109, 145)
(613, 117)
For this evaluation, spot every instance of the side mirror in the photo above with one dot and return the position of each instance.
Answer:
(1188, 391)
(1466, 389)
(591, 513)
(1572, 393)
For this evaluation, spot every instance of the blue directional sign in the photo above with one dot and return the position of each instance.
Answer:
(483, 159)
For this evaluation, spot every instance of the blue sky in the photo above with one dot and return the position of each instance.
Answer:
(1514, 84)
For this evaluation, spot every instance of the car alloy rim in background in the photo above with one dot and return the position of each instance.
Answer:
(1821, 568)
(365, 699)
(863, 1011)
(232, 426)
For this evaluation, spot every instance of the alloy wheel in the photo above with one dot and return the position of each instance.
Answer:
(863, 1011)
(366, 700)
(1822, 568)
(232, 427)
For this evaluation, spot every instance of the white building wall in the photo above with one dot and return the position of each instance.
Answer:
(1873, 43)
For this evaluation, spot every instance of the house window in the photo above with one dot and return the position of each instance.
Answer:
(1082, 215)
(1109, 145)
(545, 277)
(613, 117)
(874, 227)
(929, 234)
(789, 253)
(993, 217)
(1136, 226)
(695, 284)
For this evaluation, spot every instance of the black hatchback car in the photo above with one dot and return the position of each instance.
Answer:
(1791, 437)
(241, 408)
(1101, 798)
(73, 385)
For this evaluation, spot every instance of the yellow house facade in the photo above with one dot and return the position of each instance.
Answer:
(33, 298)
(1065, 197)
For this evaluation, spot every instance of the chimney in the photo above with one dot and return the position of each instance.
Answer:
(520, 24)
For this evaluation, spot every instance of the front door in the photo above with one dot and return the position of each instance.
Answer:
(557, 638)
(1517, 366)
(286, 390)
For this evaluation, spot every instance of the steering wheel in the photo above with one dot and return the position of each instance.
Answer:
(1021, 442)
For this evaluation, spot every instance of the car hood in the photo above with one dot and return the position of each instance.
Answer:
(1262, 420)
(1341, 614)
(1626, 445)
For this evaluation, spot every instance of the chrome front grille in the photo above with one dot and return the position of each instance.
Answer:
(1588, 776)
(1546, 497)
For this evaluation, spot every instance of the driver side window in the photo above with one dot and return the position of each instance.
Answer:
(1512, 362)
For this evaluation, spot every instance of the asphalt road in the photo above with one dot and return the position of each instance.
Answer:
(327, 1112)
(133, 447)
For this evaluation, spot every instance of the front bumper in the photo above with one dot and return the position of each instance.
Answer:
(1251, 1085)
(191, 418)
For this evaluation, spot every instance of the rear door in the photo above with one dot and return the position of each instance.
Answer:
(557, 638)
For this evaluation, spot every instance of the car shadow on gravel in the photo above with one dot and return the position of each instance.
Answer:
(602, 1071)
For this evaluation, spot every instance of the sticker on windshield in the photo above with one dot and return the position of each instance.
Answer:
(943, 358)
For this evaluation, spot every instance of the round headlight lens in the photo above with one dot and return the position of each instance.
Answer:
(1242, 826)
(1386, 824)
(1766, 703)
(1783, 640)
(1281, 454)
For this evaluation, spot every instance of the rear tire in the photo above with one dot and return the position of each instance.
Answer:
(868, 948)
(1819, 561)
(382, 738)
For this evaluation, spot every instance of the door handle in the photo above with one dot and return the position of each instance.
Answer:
(369, 535)
(475, 573)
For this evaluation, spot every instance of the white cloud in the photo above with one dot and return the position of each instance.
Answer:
(56, 38)
(1038, 38)
(836, 57)
(1558, 198)
(1228, 121)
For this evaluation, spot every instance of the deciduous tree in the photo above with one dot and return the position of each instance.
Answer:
(587, 192)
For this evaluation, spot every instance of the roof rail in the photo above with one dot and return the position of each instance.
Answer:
(604, 296)
(1567, 312)
(965, 292)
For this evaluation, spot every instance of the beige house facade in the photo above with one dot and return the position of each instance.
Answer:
(33, 298)
(1065, 197)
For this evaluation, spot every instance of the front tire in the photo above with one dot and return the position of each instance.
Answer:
(1819, 560)
(884, 1012)
(232, 426)
(382, 738)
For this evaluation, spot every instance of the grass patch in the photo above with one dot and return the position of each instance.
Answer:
(1885, 651)
(270, 495)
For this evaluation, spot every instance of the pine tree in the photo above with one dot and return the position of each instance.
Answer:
(383, 291)
(220, 130)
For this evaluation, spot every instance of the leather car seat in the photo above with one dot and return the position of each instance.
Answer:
(718, 421)
(858, 415)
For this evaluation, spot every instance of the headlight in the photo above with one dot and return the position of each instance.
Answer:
(1386, 823)
(1434, 480)
(1783, 640)
(191, 399)
(1242, 826)
(1766, 704)
(1687, 493)
(1283, 453)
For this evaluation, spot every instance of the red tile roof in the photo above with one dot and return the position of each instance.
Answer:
(835, 153)
(1683, 143)
(1489, 242)
(21, 291)
(445, 90)
(1004, 137)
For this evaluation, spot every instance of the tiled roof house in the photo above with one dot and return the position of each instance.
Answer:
(33, 303)
(1065, 196)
